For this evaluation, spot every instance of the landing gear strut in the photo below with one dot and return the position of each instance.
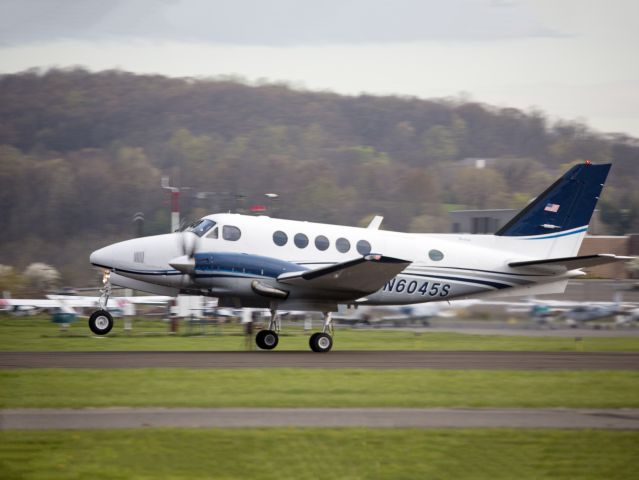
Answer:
(269, 338)
(321, 342)
(101, 321)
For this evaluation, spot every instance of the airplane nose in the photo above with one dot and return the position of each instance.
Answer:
(101, 257)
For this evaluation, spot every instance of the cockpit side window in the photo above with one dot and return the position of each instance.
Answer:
(230, 232)
(214, 233)
(201, 226)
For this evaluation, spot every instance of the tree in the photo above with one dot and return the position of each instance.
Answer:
(41, 276)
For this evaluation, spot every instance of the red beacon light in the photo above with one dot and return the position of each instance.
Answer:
(588, 162)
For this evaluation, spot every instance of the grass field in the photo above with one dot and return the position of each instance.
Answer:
(294, 453)
(298, 453)
(39, 334)
(296, 387)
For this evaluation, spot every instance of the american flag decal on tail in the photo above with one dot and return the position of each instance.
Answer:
(552, 207)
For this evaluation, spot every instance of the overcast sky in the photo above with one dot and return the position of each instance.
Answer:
(573, 59)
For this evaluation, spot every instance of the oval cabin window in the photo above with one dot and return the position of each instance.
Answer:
(435, 255)
(280, 238)
(363, 247)
(300, 240)
(322, 243)
(342, 245)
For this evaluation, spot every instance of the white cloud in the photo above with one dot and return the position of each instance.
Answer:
(267, 22)
(587, 72)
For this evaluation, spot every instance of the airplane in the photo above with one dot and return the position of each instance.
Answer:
(404, 314)
(263, 262)
(573, 313)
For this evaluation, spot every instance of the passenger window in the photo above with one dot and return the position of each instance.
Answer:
(321, 242)
(280, 238)
(363, 247)
(301, 240)
(435, 255)
(342, 245)
(229, 232)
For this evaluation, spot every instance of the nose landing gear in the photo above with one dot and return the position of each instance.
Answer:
(101, 321)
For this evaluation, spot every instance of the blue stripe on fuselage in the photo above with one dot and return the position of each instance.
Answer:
(544, 237)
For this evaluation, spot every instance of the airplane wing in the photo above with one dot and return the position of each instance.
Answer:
(28, 302)
(360, 276)
(569, 263)
(78, 301)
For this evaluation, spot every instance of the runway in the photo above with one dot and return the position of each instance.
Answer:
(336, 359)
(108, 418)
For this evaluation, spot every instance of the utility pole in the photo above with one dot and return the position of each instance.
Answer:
(175, 203)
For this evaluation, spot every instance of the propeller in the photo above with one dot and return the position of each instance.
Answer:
(188, 247)
(189, 243)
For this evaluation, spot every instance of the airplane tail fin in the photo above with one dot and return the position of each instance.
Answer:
(557, 220)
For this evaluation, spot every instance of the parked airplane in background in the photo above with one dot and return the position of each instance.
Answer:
(264, 262)
(574, 314)
(404, 314)
(64, 308)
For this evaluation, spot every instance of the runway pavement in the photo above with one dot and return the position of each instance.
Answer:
(336, 359)
(106, 418)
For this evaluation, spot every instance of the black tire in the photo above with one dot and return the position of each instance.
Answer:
(321, 342)
(101, 322)
(311, 341)
(266, 339)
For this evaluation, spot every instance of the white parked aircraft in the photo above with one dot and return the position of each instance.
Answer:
(264, 262)
(53, 301)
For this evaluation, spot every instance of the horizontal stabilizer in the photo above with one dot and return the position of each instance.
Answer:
(570, 263)
(361, 276)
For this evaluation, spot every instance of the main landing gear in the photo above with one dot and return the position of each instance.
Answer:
(269, 338)
(319, 342)
(101, 321)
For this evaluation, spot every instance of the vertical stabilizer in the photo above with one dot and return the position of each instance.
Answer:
(559, 217)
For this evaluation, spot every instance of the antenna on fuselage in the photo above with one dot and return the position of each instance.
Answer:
(375, 222)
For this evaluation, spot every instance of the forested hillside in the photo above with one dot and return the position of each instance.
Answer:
(81, 153)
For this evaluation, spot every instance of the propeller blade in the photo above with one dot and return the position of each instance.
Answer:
(183, 264)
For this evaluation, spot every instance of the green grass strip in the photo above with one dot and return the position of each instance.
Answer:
(293, 453)
(39, 334)
(296, 387)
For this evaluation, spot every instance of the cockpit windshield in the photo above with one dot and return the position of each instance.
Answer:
(201, 226)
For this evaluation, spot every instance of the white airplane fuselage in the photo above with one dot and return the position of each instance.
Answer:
(442, 266)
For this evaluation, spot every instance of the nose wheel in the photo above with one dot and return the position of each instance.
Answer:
(101, 321)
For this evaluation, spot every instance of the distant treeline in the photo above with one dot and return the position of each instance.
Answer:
(81, 153)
